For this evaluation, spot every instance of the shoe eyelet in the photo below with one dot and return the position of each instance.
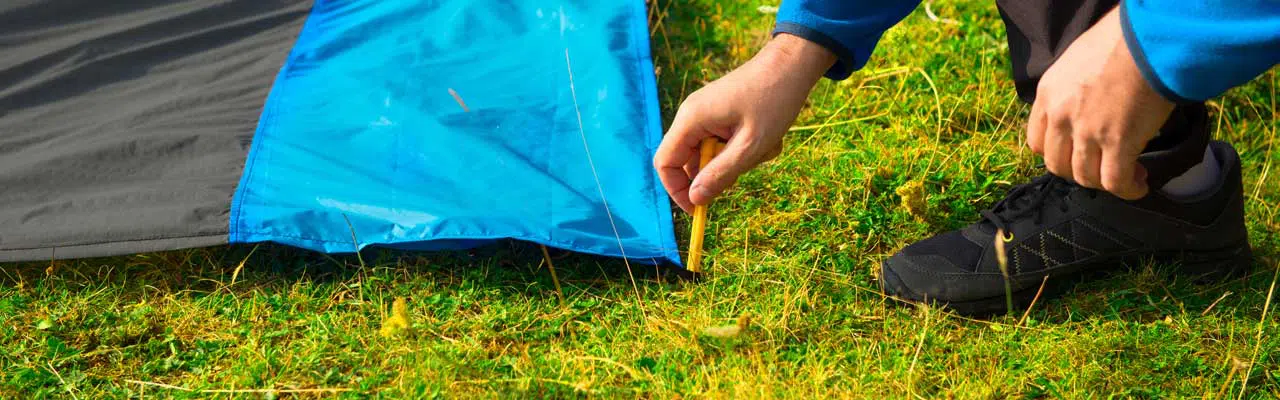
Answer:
(1008, 237)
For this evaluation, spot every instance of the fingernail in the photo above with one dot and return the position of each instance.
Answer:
(698, 191)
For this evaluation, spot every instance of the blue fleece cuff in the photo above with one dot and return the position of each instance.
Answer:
(1140, 58)
(1197, 50)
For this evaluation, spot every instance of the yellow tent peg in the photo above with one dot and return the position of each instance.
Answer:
(708, 149)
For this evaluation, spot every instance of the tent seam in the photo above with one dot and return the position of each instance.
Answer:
(257, 144)
(533, 239)
(640, 29)
(147, 239)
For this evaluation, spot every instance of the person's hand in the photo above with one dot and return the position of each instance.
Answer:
(1094, 113)
(751, 108)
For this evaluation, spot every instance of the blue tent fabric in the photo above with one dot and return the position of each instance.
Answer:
(446, 124)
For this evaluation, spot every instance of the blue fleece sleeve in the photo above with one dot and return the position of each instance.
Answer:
(849, 28)
(1195, 50)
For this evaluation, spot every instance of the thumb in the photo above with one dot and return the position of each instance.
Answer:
(720, 173)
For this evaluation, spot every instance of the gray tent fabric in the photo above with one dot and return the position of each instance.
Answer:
(124, 125)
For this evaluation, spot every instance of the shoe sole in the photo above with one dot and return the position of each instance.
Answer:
(1201, 266)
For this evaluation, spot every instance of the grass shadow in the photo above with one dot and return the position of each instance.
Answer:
(511, 267)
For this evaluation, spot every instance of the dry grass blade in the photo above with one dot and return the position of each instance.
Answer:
(236, 273)
(458, 98)
(546, 256)
(1003, 259)
(837, 123)
(937, 103)
(582, 130)
(924, 333)
(355, 243)
(584, 387)
(237, 391)
(53, 258)
(630, 371)
(1262, 322)
(1226, 382)
(1033, 301)
(928, 11)
(64, 382)
(1215, 303)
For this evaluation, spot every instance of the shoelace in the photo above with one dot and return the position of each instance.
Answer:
(1037, 193)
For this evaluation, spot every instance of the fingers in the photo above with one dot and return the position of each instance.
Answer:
(679, 148)
(691, 167)
(677, 186)
(1058, 146)
(1086, 163)
(1035, 129)
(722, 171)
(1122, 175)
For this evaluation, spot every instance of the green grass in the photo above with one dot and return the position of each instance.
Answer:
(794, 246)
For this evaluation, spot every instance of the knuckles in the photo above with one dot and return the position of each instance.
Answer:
(691, 105)
(695, 102)
(1085, 180)
(1113, 185)
(1062, 111)
(1116, 183)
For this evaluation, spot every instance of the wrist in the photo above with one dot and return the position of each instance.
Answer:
(797, 57)
(1126, 60)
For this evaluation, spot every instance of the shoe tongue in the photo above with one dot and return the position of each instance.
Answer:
(1024, 200)
(1179, 146)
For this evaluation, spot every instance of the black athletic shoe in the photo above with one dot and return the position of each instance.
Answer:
(1067, 232)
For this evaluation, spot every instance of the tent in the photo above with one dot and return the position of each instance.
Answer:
(141, 126)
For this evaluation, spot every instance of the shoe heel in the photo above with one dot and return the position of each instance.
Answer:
(1216, 265)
